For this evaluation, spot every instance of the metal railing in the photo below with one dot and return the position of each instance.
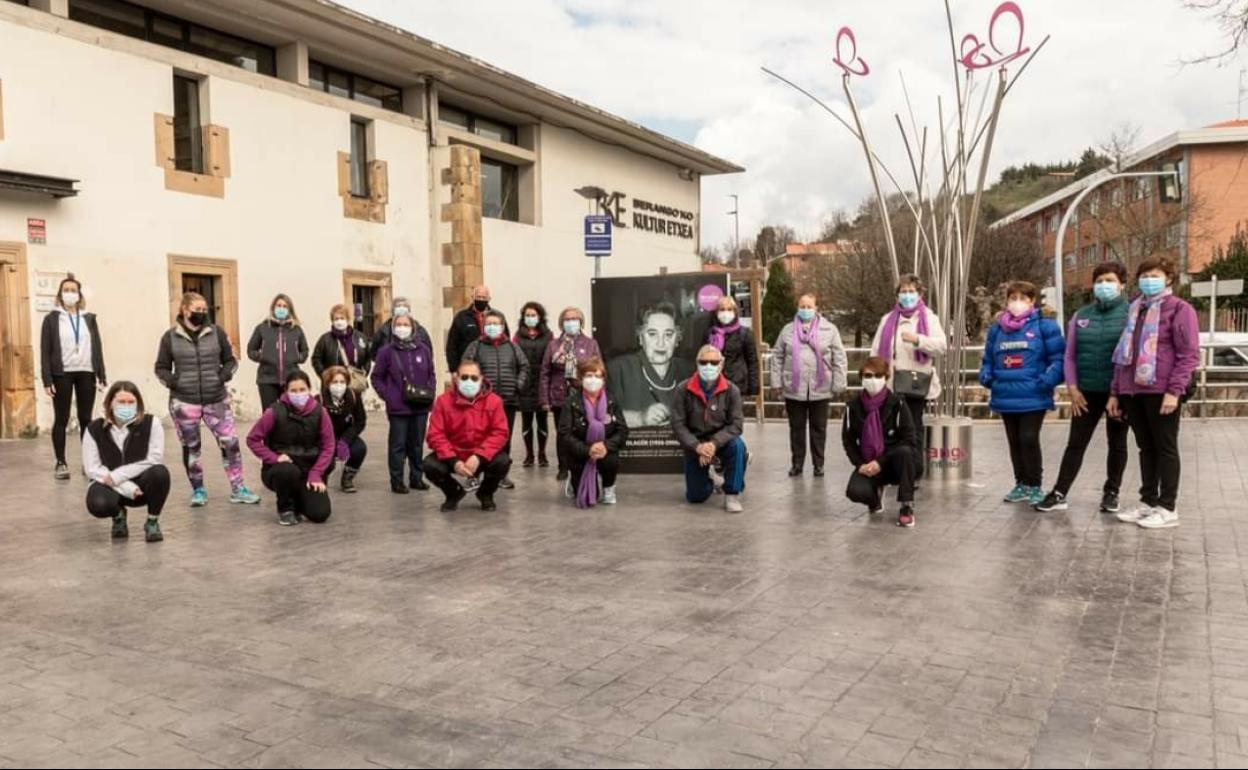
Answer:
(1218, 388)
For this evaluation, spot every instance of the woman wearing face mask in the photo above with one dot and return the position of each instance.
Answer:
(559, 364)
(592, 432)
(343, 346)
(1022, 365)
(737, 344)
(808, 364)
(195, 361)
(506, 368)
(1153, 366)
(910, 338)
(279, 347)
(346, 410)
(294, 440)
(404, 377)
(71, 364)
(533, 337)
(122, 453)
(1091, 336)
(878, 436)
(401, 306)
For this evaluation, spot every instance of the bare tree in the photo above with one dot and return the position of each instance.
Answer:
(771, 241)
(711, 255)
(1231, 16)
(1120, 143)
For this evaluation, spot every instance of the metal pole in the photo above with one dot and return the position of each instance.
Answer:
(881, 202)
(1213, 310)
(597, 257)
(736, 231)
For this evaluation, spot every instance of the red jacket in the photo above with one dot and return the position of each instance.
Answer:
(459, 428)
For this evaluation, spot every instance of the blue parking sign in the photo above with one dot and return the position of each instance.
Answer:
(597, 235)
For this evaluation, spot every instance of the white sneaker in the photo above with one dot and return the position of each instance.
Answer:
(608, 496)
(732, 504)
(1134, 515)
(1160, 519)
(569, 491)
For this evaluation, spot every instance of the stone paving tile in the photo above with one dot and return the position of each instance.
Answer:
(655, 634)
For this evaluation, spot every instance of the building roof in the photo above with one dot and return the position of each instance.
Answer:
(1220, 133)
(349, 39)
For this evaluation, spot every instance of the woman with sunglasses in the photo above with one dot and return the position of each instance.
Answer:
(879, 438)
(468, 436)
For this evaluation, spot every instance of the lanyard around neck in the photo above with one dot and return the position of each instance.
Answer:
(75, 323)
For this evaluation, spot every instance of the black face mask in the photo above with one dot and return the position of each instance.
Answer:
(198, 319)
(481, 305)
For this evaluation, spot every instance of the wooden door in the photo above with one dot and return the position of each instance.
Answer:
(17, 360)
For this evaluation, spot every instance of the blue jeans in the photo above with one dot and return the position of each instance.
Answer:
(407, 437)
(698, 484)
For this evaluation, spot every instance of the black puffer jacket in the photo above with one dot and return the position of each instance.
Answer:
(534, 348)
(740, 360)
(278, 347)
(574, 426)
(504, 365)
(196, 366)
(349, 416)
(326, 352)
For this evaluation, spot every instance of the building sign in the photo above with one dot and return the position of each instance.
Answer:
(648, 216)
(36, 231)
(598, 235)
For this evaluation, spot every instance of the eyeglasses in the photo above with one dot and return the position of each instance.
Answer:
(469, 378)
(705, 362)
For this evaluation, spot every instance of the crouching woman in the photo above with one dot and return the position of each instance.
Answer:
(294, 440)
(879, 438)
(122, 453)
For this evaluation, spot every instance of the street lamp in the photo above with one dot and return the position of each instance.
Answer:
(736, 231)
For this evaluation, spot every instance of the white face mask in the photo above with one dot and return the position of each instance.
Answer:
(403, 332)
(1019, 307)
(873, 385)
(725, 316)
(338, 389)
(592, 384)
(341, 324)
(69, 298)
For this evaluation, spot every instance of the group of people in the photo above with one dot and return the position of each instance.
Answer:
(1128, 361)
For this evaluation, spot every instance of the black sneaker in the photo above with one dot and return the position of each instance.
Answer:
(795, 471)
(507, 484)
(487, 503)
(542, 462)
(452, 501)
(399, 489)
(421, 486)
(818, 471)
(1053, 501)
(528, 462)
(348, 480)
(1109, 502)
(62, 472)
(287, 518)
(151, 530)
(562, 475)
(120, 530)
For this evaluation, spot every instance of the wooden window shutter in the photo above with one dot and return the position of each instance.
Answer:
(164, 141)
(344, 174)
(217, 150)
(378, 182)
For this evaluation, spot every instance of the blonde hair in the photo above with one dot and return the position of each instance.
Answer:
(726, 298)
(290, 305)
(339, 309)
(190, 298)
(563, 314)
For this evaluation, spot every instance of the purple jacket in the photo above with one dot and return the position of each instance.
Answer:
(553, 387)
(258, 438)
(395, 365)
(1178, 353)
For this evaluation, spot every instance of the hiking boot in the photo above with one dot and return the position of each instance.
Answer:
(348, 480)
(62, 472)
(1109, 502)
(795, 471)
(452, 501)
(1160, 518)
(1020, 493)
(1053, 501)
(151, 530)
(199, 498)
(244, 496)
(399, 489)
(905, 517)
(818, 471)
(487, 503)
(420, 485)
(287, 518)
(120, 530)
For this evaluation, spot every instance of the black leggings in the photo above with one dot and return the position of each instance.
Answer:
(105, 502)
(529, 422)
(1082, 429)
(1022, 430)
(269, 394)
(917, 407)
(78, 386)
(802, 414)
(293, 496)
(897, 466)
(1157, 436)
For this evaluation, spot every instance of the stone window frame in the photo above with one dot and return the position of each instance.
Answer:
(216, 149)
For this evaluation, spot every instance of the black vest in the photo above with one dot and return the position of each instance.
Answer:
(135, 449)
(296, 435)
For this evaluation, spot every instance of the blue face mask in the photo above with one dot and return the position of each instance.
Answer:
(299, 400)
(532, 321)
(806, 314)
(572, 327)
(1151, 285)
(1107, 291)
(708, 372)
(468, 388)
(493, 331)
(281, 313)
(125, 413)
(908, 300)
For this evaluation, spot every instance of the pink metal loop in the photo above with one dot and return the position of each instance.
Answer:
(853, 64)
(974, 56)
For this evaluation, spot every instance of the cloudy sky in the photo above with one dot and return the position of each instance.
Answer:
(691, 69)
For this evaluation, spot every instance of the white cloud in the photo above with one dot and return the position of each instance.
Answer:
(656, 62)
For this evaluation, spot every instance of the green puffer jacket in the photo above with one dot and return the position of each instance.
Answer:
(1091, 336)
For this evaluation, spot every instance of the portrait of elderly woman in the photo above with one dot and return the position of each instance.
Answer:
(647, 382)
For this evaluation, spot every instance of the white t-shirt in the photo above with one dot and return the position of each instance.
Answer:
(75, 349)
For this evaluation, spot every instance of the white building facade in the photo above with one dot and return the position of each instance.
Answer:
(242, 148)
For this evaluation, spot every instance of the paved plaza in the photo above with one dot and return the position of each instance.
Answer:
(803, 633)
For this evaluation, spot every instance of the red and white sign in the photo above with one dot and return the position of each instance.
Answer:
(36, 230)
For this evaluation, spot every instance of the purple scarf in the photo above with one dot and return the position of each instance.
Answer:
(720, 333)
(596, 417)
(811, 338)
(1145, 359)
(1012, 324)
(346, 339)
(873, 428)
(890, 330)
